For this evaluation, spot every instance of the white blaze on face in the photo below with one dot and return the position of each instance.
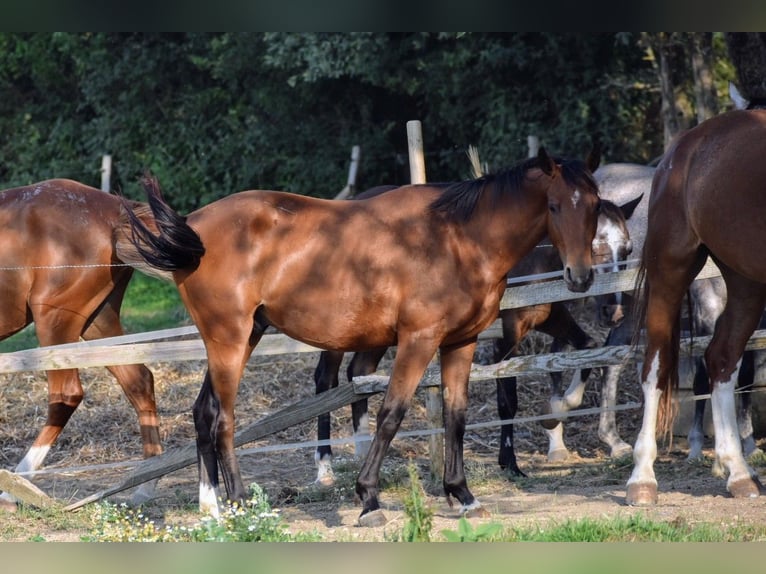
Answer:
(575, 198)
(613, 236)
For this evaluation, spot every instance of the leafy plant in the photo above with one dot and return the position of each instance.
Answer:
(419, 523)
(254, 522)
(466, 532)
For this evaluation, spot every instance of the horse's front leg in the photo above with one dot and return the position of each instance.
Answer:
(361, 364)
(414, 352)
(455, 364)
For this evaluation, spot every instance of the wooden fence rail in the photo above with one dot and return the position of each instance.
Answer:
(124, 350)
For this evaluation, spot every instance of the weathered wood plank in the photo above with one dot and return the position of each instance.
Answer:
(95, 353)
(552, 362)
(179, 458)
(24, 490)
(550, 291)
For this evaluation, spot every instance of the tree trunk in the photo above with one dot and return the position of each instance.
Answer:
(701, 48)
(747, 51)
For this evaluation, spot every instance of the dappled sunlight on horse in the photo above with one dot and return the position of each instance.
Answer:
(428, 278)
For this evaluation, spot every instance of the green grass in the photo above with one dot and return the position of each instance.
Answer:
(149, 305)
(637, 528)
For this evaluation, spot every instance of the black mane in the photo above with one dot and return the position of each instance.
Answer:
(459, 200)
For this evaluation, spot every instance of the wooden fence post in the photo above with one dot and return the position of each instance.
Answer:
(533, 146)
(433, 402)
(353, 168)
(106, 173)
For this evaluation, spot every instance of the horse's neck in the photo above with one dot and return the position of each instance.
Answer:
(510, 230)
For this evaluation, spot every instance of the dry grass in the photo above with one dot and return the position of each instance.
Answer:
(104, 429)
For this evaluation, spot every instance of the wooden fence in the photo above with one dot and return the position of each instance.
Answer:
(135, 349)
(164, 346)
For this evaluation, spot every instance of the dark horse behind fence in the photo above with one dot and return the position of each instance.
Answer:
(708, 199)
(428, 278)
(60, 270)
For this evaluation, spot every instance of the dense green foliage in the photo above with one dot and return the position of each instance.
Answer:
(211, 114)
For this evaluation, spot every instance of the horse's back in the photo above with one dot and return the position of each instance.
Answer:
(58, 216)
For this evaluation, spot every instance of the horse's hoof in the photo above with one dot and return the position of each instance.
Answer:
(745, 488)
(558, 455)
(373, 518)
(621, 450)
(325, 481)
(718, 470)
(477, 512)
(641, 494)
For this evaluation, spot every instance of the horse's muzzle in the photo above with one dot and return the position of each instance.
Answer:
(578, 281)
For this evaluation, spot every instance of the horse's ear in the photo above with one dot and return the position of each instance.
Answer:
(594, 157)
(628, 208)
(546, 162)
(740, 102)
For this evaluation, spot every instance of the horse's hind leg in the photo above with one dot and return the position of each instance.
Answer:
(228, 349)
(136, 381)
(325, 378)
(65, 393)
(723, 357)
(666, 285)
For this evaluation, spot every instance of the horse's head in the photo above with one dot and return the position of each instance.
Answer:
(611, 247)
(573, 207)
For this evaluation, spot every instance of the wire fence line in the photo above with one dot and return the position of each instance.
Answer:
(160, 346)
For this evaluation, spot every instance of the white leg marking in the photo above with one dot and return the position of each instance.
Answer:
(208, 501)
(33, 459)
(645, 450)
(325, 475)
(557, 450)
(607, 423)
(573, 395)
(728, 448)
(362, 438)
(473, 506)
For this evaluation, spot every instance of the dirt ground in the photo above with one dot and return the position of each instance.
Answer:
(589, 484)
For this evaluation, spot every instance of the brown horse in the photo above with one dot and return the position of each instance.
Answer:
(708, 199)
(60, 270)
(611, 245)
(428, 278)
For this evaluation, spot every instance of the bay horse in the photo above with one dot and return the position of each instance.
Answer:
(707, 199)
(428, 279)
(60, 270)
(610, 246)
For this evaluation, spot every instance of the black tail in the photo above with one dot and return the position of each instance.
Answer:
(177, 247)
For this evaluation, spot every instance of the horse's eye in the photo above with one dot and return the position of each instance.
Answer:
(553, 207)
